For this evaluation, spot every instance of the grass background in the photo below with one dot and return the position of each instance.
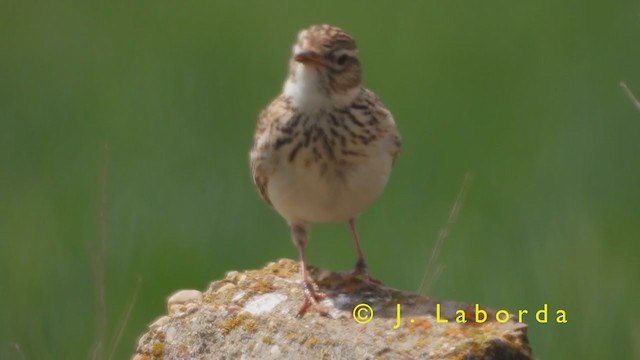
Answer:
(165, 94)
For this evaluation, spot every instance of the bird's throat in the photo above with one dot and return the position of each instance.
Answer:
(309, 90)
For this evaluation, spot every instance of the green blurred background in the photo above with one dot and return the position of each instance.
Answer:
(164, 96)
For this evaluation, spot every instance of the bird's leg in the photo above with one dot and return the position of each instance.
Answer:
(361, 265)
(311, 296)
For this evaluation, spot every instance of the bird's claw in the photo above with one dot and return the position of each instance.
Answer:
(312, 300)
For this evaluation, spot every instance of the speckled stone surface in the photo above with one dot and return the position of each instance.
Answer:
(251, 315)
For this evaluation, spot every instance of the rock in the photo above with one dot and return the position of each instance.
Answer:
(252, 315)
(183, 300)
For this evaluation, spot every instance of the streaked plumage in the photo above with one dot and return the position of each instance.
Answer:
(323, 149)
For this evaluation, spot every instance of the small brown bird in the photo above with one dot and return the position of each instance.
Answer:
(323, 149)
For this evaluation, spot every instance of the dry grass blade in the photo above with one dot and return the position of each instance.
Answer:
(19, 351)
(125, 321)
(634, 100)
(434, 268)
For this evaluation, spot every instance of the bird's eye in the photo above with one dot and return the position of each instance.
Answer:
(342, 60)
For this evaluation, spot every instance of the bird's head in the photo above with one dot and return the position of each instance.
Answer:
(324, 64)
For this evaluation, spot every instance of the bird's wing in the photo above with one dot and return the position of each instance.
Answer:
(385, 121)
(262, 157)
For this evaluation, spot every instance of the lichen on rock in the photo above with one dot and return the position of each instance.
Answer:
(251, 315)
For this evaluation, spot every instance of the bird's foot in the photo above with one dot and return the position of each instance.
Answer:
(312, 299)
(361, 270)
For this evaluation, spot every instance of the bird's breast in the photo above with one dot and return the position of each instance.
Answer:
(329, 169)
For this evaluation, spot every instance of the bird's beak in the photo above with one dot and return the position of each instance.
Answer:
(309, 58)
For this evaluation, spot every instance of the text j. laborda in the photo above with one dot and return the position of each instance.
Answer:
(363, 313)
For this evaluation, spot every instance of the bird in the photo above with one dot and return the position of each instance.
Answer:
(323, 150)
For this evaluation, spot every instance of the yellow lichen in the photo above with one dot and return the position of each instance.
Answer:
(250, 325)
(267, 340)
(262, 286)
(292, 336)
(157, 349)
(287, 268)
(232, 323)
(311, 342)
